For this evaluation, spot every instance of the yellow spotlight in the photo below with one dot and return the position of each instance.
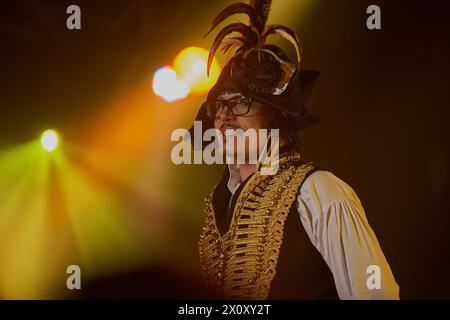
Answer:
(49, 140)
(167, 86)
(190, 65)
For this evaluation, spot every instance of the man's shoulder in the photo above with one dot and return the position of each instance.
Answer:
(326, 187)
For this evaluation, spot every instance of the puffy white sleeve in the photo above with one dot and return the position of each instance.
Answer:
(334, 220)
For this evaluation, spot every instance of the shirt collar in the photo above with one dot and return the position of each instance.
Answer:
(234, 179)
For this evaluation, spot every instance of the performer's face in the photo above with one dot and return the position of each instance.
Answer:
(255, 118)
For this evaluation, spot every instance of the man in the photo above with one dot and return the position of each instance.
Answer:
(300, 233)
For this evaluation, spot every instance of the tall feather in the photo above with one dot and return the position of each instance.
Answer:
(286, 33)
(262, 7)
(236, 8)
(229, 43)
(245, 31)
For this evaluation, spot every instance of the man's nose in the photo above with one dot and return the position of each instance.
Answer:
(226, 114)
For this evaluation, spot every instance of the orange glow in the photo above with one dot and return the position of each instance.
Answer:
(190, 65)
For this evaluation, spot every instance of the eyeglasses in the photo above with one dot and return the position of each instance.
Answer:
(238, 106)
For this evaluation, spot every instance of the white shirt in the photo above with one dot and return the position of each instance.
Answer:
(336, 224)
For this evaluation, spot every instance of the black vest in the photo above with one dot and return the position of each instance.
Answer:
(302, 273)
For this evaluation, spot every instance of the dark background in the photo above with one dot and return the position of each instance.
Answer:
(383, 98)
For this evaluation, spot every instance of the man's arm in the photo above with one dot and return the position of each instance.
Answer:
(336, 223)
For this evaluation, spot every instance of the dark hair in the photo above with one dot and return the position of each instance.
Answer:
(278, 119)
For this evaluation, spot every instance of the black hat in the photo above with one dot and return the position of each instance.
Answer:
(259, 70)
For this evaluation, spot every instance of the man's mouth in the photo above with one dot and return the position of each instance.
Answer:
(229, 130)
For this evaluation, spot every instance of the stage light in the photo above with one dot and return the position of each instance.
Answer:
(167, 85)
(190, 65)
(49, 140)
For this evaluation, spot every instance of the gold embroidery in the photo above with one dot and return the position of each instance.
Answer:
(242, 263)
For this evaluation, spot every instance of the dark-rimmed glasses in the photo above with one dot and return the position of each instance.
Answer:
(239, 106)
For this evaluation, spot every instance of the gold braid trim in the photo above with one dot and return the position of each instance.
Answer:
(242, 263)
